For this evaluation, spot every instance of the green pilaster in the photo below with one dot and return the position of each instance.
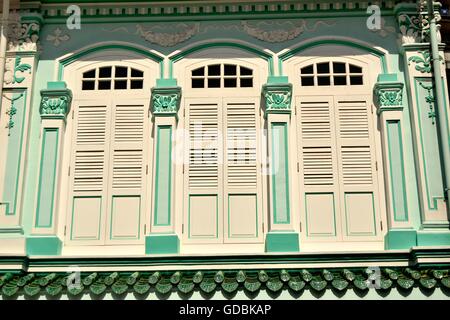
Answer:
(281, 237)
(165, 103)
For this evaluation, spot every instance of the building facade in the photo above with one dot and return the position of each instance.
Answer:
(233, 145)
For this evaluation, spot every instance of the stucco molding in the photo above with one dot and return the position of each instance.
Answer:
(165, 101)
(55, 101)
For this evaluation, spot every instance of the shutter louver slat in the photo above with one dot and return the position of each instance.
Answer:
(318, 166)
(353, 120)
(315, 120)
(203, 150)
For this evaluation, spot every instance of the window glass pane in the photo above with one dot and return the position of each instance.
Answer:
(136, 73)
(355, 69)
(104, 85)
(198, 83)
(199, 72)
(307, 81)
(246, 82)
(105, 72)
(356, 80)
(338, 67)
(214, 70)
(230, 83)
(323, 67)
(88, 85)
(137, 84)
(308, 70)
(120, 84)
(230, 70)
(246, 71)
(340, 80)
(213, 82)
(323, 81)
(89, 74)
(121, 72)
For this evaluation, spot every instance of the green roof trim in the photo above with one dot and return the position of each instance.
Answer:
(208, 282)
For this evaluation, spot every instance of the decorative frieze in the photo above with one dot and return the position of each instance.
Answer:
(55, 101)
(166, 101)
(277, 97)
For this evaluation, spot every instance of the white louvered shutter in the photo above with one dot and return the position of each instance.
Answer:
(358, 178)
(319, 170)
(127, 172)
(242, 185)
(89, 173)
(203, 171)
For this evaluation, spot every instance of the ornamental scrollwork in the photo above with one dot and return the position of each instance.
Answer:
(278, 98)
(390, 97)
(409, 26)
(168, 39)
(423, 62)
(11, 69)
(23, 36)
(55, 103)
(166, 101)
(429, 99)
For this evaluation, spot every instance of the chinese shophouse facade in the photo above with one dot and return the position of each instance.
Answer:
(224, 148)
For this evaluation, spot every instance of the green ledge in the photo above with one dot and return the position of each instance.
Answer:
(400, 239)
(282, 242)
(433, 238)
(228, 281)
(163, 83)
(43, 246)
(162, 244)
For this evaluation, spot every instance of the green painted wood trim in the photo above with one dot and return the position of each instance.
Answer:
(280, 174)
(433, 238)
(162, 244)
(400, 239)
(397, 170)
(163, 176)
(47, 178)
(65, 62)
(14, 153)
(282, 242)
(379, 54)
(43, 246)
(241, 46)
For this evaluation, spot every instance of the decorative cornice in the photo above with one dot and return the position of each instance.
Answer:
(166, 101)
(277, 97)
(55, 101)
(228, 281)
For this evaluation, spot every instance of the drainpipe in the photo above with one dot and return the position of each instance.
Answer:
(441, 120)
(3, 42)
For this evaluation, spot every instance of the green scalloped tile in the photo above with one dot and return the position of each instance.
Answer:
(53, 289)
(385, 283)
(208, 285)
(438, 274)
(141, 286)
(230, 285)
(87, 281)
(296, 283)
(46, 279)
(240, 276)
(350, 276)
(306, 275)
(413, 273)
(263, 276)
(25, 279)
(339, 284)
(198, 277)
(132, 278)
(405, 283)
(274, 284)
(318, 285)
(428, 282)
(120, 286)
(75, 290)
(97, 287)
(284, 276)
(5, 278)
(446, 282)
(163, 286)
(252, 284)
(392, 274)
(360, 283)
(327, 275)
(32, 289)
(10, 289)
(219, 276)
(109, 280)
(186, 285)
(154, 278)
(175, 278)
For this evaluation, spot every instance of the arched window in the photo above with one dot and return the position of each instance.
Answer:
(113, 78)
(331, 73)
(222, 76)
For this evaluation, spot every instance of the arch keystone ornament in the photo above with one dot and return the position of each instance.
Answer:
(165, 102)
(54, 107)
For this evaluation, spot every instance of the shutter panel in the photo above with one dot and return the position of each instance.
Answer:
(242, 171)
(319, 167)
(357, 167)
(127, 172)
(89, 177)
(204, 172)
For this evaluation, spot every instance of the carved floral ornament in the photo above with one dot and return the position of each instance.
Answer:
(389, 96)
(166, 101)
(277, 98)
(55, 103)
(23, 36)
(13, 70)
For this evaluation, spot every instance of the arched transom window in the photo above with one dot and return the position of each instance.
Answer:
(112, 78)
(331, 73)
(222, 76)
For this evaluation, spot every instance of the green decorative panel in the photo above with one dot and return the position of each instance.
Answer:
(280, 174)
(163, 173)
(47, 176)
(397, 170)
(16, 126)
(428, 134)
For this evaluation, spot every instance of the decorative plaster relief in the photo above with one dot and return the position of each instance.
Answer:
(57, 37)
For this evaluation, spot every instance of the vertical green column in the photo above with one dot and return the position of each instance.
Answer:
(281, 236)
(162, 238)
(55, 104)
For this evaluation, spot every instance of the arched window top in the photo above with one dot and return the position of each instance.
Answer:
(112, 78)
(331, 73)
(222, 75)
